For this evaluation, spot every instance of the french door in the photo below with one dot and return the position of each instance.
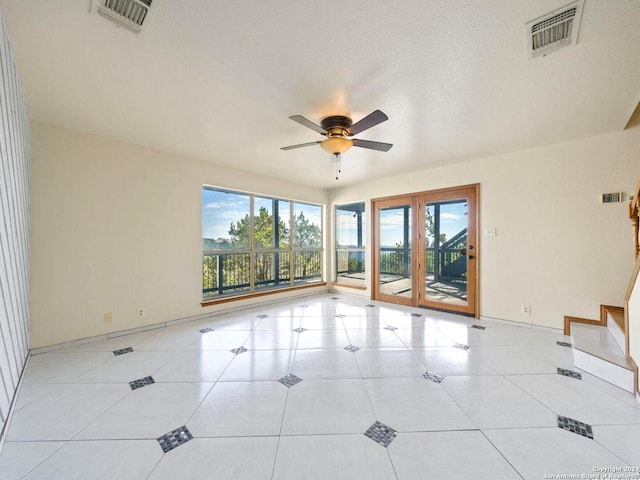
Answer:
(425, 249)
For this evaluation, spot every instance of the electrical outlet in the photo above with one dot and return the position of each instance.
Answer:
(526, 309)
(141, 312)
(108, 317)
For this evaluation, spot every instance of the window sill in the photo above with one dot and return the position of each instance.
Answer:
(245, 296)
(344, 285)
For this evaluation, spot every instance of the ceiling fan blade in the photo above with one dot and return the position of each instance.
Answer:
(369, 121)
(300, 145)
(308, 123)
(382, 147)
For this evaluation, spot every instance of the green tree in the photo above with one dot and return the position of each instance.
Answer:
(263, 235)
(305, 233)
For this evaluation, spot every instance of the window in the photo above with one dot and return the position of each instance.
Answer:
(253, 243)
(350, 243)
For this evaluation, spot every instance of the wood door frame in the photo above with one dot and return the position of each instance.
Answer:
(470, 192)
(417, 239)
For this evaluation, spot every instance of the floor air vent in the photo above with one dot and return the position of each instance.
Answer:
(128, 14)
(554, 30)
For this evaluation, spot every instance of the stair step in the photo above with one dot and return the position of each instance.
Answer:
(615, 324)
(596, 351)
(617, 316)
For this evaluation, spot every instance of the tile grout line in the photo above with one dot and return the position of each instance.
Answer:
(375, 414)
(44, 460)
(325, 317)
(502, 455)
(123, 397)
(286, 399)
(214, 383)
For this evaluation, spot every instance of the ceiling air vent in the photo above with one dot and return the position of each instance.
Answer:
(554, 30)
(128, 14)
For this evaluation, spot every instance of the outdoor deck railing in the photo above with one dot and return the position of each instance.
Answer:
(395, 260)
(230, 273)
(350, 261)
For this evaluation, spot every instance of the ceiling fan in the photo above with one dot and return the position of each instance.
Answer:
(338, 129)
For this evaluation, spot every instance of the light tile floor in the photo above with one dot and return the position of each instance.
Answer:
(493, 416)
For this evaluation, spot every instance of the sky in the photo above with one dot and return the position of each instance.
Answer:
(453, 219)
(220, 208)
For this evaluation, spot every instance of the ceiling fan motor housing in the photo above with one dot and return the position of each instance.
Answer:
(336, 124)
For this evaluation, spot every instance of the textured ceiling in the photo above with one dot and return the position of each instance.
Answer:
(218, 80)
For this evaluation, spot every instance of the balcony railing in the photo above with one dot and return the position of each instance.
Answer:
(230, 273)
(350, 261)
(395, 261)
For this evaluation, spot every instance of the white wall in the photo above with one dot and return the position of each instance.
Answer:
(117, 226)
(558, 248)
(14, 227)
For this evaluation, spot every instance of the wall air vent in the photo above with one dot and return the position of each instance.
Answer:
(611, 197)
(554, 30)
(128, 14)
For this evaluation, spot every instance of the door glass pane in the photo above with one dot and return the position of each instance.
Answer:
(395, 251)
(446, 252)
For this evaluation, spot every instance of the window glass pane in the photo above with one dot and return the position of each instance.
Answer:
(307, 226)
(350, 226)
(272, 270)
(308, 267)
(284, 223)
(224, 273)
(263, 231)
(350, 241)
(225, 220)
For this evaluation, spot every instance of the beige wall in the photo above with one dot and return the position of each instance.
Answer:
(116, 227)
(558, 248)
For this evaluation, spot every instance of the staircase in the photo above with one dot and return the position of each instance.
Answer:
(600, 347)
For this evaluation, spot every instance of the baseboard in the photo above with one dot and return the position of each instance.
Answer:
(514, 323)
(568, 320)
(349, 290)
(156, 326)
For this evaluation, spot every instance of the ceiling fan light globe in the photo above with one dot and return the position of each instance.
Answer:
(335, 145)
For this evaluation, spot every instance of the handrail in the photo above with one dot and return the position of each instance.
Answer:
(634, 215)
(454, 240)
